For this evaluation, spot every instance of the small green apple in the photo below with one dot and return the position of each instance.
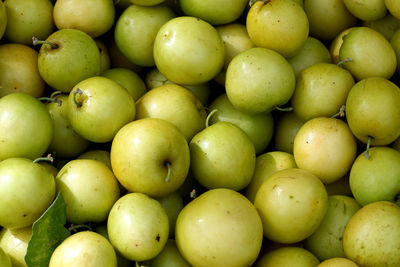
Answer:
(335, 262)
(387, 26)
(375, 223)
(336, 43)
(220, 227)
(84, 248)
(288, 196)
(286, 128)
(150, 156)
(101, 155)
(89, 188)
(95, 17)
(15, 244)
(173, 204)
(146, 2)
(169, 256)
(286, 257)
(393, 7)
(366, 10)
(138, 227)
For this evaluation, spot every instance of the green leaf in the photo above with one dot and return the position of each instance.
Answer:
(47, 233)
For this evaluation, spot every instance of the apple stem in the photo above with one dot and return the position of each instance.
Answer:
(209, 116)
(168, 177)
(288, 109)
(79, 92)
(36, 41)
(347, 59)
(340, 113)
(48, 158)
(73, 227)
(366, 154)
(55, 93)
(58, 101)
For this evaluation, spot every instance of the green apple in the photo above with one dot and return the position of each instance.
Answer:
(70, 57)
(267, 164)
(222, 155)
(4, 259)
(180, 47)
(84, 248)
(89, 188)
(393, 7)
(138, 227)
(288, 196)
(325, 147)
(98, 107)
(136, 29)
(387, 25)
(287, 257)
(101, 155)
(326, 241)
(15, 244)
(26, 19)
(286, 128)
(146, 2)
(127, 78)
(3, 19)
(258, 127)
(216, 12)
(321, 90)
(340, 187)
(375, 223)
(335, 262)
(280, 25)
(94, 17)
(236, 40)
(104, 55)
(27, 190)
(376, 178)
(327, 18)
(377, 116)
(65, 143)
(366, 10)
(174, 104)
(336, 43)
(367, 53)
(19, 70)
(219, 228)
(169, 256)
(150, 156)
(258, 80)
(395, 42)
(118, 59)
(313, 51)
(154, 78)
(173, 204)
(16, 123)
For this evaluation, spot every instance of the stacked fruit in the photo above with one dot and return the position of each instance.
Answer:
(199, 133)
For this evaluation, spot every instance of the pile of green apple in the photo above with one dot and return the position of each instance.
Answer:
(202, 133)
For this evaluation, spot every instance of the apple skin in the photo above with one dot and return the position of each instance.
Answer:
(26, 19)
(169, 256)
(104, 55)
(376, 178)
(387, 25)
(4, 259)
(215, 12)
(326, 147)
(373, 110)
(222, 155)
(336, 43)
(19, 71)
(101, 155)
(138, 227)
(173, 204)
(280, 25)
(393, 7)
(76, 58)
(103, 107)
(286, 128)
(219, 228)
(267, 164)
(335, 262)
(146, 2)
(375, 223)
(16, 122)
(377, 59)
(258, 127)
(175, 104)
(85, 248)
(180, 47)
(140, 152)
(395, 42)
(15, 244)
(95, 17)
(287, 257)
(258, 80)
(326, 241)
(89, 188)
(136, 29)
(3, 19)
(366, 10)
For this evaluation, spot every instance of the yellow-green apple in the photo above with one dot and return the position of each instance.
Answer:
(173, 204)
(169, 256)
(393, 7)
(366, 10)
(387, 25)
(286, 128)
(335, 262)
(286, 257)
(3, 19)
(4, 259)
(15, 244)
